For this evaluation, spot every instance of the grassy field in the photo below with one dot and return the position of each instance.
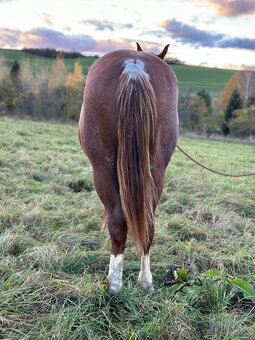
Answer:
(198, 77)
(53, 255)
(189, 77)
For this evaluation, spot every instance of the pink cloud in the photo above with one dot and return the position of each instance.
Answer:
(233, 8)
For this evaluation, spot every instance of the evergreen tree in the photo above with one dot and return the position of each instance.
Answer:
(206, 98)
(234, 103)
(10, 93)
(15, 72)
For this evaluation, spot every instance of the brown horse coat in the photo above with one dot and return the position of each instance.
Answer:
(128, 128)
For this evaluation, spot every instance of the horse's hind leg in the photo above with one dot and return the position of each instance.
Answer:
(145, 277)
(106, 183)
(118, 233)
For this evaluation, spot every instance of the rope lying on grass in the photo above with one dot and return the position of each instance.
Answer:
(211, 170)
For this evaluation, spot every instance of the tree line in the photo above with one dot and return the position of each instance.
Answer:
(231, 114)
(45, 94)
(57, 94)
(52, 53)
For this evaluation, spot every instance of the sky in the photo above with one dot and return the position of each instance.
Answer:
(212, 33)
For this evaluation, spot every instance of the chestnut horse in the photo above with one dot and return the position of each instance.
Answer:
(128, 128)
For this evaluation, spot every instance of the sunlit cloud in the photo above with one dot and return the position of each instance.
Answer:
(233, 8)
(191, 35)
(45, 37)
(41, 37)
(102, 25)
(9, 37)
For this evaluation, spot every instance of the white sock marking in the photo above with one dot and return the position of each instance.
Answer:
(145, 277)
(115, 273)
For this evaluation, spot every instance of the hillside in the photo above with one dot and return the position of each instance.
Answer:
(53, 255)
(42, 62)
(199, 77)
(189, 77)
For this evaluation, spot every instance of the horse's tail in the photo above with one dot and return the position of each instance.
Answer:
(136, 104)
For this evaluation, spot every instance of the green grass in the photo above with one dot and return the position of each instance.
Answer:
(198, 77)
(189, 77)
(53, 255)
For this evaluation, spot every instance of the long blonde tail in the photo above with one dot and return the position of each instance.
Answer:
(136, 104)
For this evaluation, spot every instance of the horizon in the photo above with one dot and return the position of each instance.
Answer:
(209, 33)
(98, 55)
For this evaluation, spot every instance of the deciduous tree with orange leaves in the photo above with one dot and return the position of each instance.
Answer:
(75, 84)
(244, 82)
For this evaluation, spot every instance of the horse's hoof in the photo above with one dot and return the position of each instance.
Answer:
(146, 283)
(114, 290)
(147, 287)
(114, 287)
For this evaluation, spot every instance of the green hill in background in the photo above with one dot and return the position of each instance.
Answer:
(199, 77)
(189, 77)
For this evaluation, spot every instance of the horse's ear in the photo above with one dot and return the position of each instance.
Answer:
(162, 54)
(139, 48)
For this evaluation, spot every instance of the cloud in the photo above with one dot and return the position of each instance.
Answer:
(191, 35)
(159, 33)
(233, 8)
(47, 19)
(9, 37)
(243, 43)
(46, 37)
(39, 37)
(104, 46)
(103, 25)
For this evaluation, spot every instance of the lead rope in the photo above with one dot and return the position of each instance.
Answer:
(211, 170)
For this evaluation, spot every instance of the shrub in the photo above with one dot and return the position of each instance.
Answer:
(243, 123)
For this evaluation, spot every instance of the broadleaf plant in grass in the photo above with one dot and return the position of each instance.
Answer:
(243, 287)
(185, 281)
